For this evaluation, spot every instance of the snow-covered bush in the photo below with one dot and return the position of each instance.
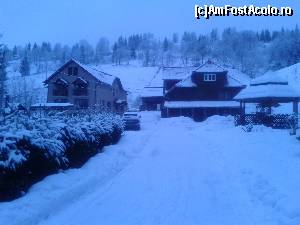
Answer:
(34, 147)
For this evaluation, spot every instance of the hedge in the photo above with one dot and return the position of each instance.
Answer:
(34, 147)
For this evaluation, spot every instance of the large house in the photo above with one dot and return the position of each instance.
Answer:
(200, 92)
(86, 87)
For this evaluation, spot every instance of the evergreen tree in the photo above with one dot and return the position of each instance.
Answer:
(35, 54)
(28, 51)
(175, 38)
(134, 42)
(214, 35)
(166, 45)
(275, 34)
(25, 67)
(86, 52)
(15, 53)
(188, 47)
(202, 47)
(121, 51)
(57, 52)
(75, 52)
(262, 36)
(83, 56)
(115, 53)
(102, 50)
(268, 37)
(65, 55)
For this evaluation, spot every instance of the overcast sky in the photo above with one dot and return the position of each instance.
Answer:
(68, 21)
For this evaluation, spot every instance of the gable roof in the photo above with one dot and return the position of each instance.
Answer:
(267, 91)
(175, 73)
(270, 85)
(209, 67)
(235, 78)
(99, 75)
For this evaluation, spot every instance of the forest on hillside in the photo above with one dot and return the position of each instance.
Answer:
(251, 52)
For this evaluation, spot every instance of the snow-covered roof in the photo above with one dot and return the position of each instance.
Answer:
(98, 74)
(270, 77)
(270, 85)
(175, 73)
(235, 78)
(152, 92)
(292, 74)
(232, 82)
(187, 82)
(52, 104)
(209, 67)
(201, 104)
(267, 91)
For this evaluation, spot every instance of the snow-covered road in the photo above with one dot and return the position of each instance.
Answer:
(174, 171)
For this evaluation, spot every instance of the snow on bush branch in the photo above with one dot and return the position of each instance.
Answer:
(53, 136)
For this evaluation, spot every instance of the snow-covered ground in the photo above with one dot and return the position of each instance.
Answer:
(174, 171)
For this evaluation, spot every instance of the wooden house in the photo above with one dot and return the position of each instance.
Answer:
(201, 92)
(86, 87)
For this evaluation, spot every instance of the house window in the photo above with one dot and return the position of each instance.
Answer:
(80, 87)
(80, 90)
(60, 90)
(75, 71)
(72, 71)
(210, 77)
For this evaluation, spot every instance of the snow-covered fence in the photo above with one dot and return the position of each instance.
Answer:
(277, 121)
(32, 147)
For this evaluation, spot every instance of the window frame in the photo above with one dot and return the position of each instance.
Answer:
(210, 77)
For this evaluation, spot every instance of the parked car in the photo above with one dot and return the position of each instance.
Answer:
(132, 120)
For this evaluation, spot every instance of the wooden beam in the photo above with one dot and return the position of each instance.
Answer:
(242, 108)
(295, 107)
(296, 112)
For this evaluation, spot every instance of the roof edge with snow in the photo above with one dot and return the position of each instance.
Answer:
(90, 70)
